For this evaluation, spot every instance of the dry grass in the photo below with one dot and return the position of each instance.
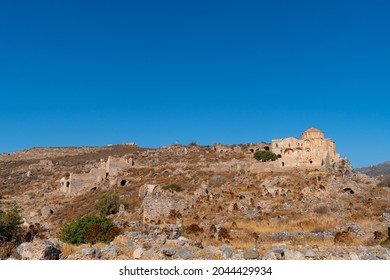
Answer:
(207, 256)
(242, 241)
(128, 252)
(310, 223)
(99, 245)
(172, 244)
(68, 249)
(259, 233)
(320, 242)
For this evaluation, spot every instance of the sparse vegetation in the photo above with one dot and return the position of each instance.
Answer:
(226, 199)
(108, 204)
(265, 156)
(384, 183)
(193, 144)
(321, 209)
(173, 188)
(193, 229)
(89, 229)
(9, 222)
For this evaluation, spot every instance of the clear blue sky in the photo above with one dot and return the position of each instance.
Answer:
(160, 72)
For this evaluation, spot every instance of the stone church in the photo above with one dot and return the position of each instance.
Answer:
(312, 150)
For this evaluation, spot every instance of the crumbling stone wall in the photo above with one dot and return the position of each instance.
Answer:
(82, 182)
(78, 183)
(115, 165)
(158, 204)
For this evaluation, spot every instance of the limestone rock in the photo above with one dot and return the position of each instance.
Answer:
(109, 251)
(353, 256)
(251, 254)
(386, 217)
(168, 251)
(310, 254)
(227, 251)
(185, 253)
(269, 255)
(38, 251)
(88, 251)
(138, 253)
(294, 255)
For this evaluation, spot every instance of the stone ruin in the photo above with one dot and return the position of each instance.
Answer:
(312, 150)
(78, 183)
(222, 148)
(158, 203)
(116, 165)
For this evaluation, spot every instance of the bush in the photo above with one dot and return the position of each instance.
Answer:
(108, 204)
(9, 223)
(193, 144)
(173, 188)
(193, 229)
(385, 183)
(265, 156)
(89, 229)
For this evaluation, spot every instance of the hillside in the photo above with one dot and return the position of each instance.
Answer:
(381, 169)
(231, 206)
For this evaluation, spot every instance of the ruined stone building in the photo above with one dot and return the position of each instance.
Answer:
(77, 183)
(312, 150)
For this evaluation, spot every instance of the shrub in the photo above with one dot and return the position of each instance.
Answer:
(224, 234)
(321, 209)
(193, 144)
(108, 204)
(385, 182)
(9, 222)
(89, 229)
(265, 156)
(173, 188)
(193, 229)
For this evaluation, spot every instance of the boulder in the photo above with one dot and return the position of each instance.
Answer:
(88, 251)
(172, 231)
(38, 251)
(294, 255)
(269, 255)
(251, 254)
(138, 253)
(386, 217)
(168, 251)
(310, 254)
(227, 251)
(185, 253)
(109, 251)
(354, 256)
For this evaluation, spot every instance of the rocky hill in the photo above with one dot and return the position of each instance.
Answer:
(192, 202)
(381, 169)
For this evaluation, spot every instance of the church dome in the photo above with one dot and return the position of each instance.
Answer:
(312, 133)
(312, 130)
